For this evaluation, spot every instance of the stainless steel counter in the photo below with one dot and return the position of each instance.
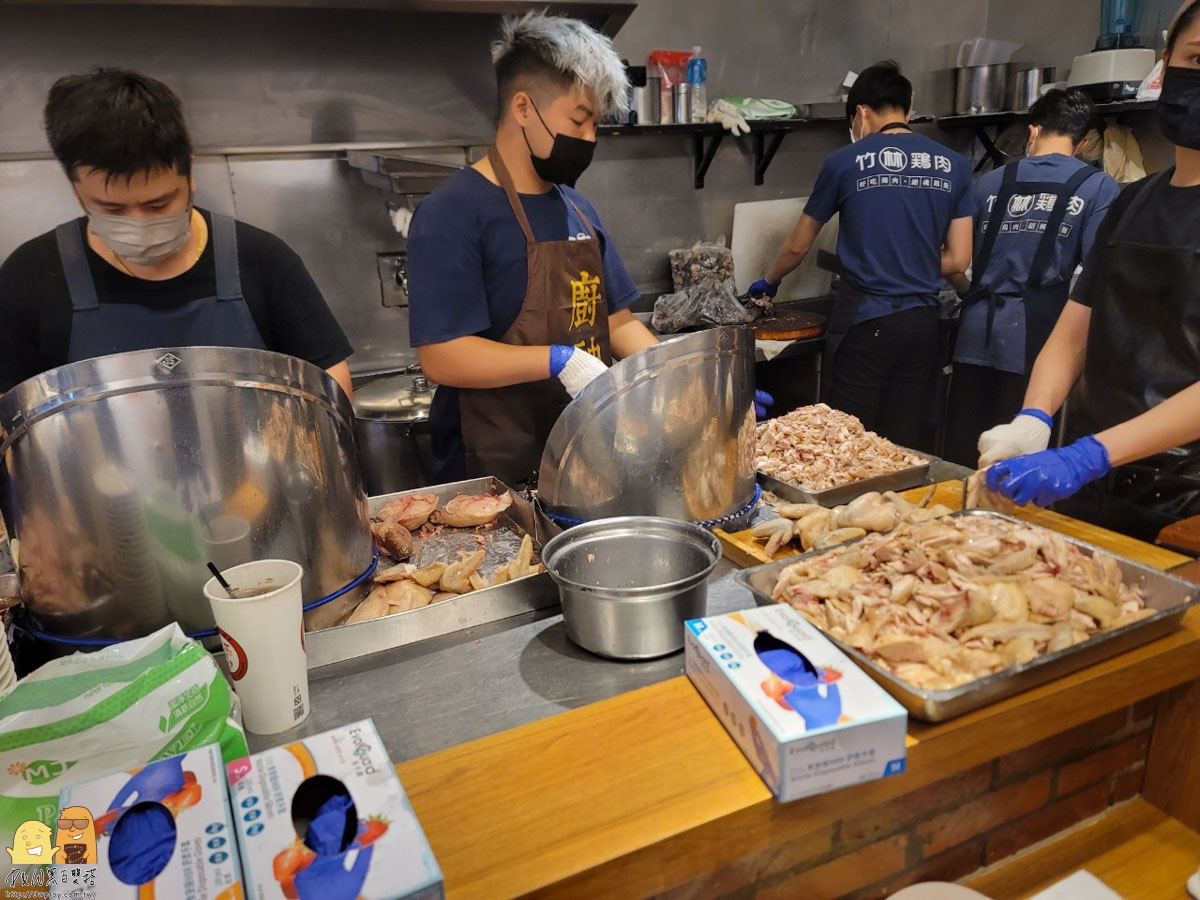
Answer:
(437, 693)
(441, 692)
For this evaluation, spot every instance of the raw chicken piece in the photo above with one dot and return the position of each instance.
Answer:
(393, 539)
(457, 577)
(411, 511)
(373, 607)
(838, 536)
(395, 573)
(468, 510)
(777, 532)
(428, 576)
(405, 595)
(869, 512)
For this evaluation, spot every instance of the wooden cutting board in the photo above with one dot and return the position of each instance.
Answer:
(790, 325)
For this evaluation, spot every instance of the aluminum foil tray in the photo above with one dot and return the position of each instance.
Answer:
(844, 493)
(1169, 595)
(331, 643)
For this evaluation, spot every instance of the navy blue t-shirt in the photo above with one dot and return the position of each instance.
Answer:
(896, 194)
(1008, 269)
(467, 275)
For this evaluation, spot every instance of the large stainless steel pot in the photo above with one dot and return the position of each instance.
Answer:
(1025, 85)
(628, 584)
(129, 472)
(392, 425)
(667, 432)
(980, 89)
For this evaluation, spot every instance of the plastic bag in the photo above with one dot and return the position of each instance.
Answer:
(90, 714)
(701, 304)
(1151, 86)
(705, 262)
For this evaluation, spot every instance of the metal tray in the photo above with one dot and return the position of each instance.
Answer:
(335, 643)
(1170, 595)
(844, 493)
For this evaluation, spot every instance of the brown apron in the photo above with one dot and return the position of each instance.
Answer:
(505, 429)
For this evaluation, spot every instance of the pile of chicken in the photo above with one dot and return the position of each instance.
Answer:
(817, 528)
(947, 601)
(816, 447)
(405, 586)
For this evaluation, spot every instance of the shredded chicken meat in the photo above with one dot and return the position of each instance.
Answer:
(816, 447)
(944, 602)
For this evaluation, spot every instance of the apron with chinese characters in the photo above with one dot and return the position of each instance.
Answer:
(504, 429)
(1143, 347)
(1043, 302)
(98, 329)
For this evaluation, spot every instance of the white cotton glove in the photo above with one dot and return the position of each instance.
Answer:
(575, 368)
(1027, 433)
(726, 114)
(1193, 885)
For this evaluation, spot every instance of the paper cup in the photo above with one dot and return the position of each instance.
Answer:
(263, 637)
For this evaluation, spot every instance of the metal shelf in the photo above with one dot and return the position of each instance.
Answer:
(707, 137)
(980, 122)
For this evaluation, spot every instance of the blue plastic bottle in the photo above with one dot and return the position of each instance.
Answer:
(697, 76)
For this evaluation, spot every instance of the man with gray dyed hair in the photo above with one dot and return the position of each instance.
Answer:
(517, 296)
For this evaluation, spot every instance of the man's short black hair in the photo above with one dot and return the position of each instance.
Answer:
(118, 122)
(880, 87)
(1068, 112)
(525, 69)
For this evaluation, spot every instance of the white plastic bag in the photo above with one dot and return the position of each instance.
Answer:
(91, 714)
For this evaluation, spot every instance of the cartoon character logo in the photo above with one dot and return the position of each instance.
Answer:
(76, 837)
(796, 684)
(32, 844)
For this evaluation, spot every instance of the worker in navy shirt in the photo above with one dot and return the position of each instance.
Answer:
(905, 222)
(517, 296)
(1035, 220)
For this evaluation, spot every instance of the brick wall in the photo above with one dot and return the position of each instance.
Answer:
(949, 829)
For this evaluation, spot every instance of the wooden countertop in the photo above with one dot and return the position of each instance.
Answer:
(646, 791)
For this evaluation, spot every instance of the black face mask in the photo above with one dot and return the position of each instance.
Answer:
(568, 159)
(1179, 107)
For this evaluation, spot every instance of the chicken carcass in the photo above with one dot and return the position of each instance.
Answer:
(469, 510)
(411, 511)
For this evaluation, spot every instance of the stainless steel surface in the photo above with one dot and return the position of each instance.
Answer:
(628, 584)
(392, 427)
(645, 102)
(667, 432)
(844, 493)
(428, 696)
(1168, 594)
(1025, 85)
(681, 96)
(980, 89)
(413, 173)
(120, 466)
(342, 642)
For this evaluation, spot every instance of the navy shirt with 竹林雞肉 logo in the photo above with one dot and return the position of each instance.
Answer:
(896, 194)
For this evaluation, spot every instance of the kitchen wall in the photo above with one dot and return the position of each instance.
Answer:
(269, 77)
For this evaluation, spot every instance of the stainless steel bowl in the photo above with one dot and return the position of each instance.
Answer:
(629, 583)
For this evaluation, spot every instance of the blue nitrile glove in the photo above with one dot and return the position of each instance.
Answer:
(1051, 475)
(761, 401)
(763, 288)
(327, 878)
(154, 782)
(333, 827)
(142, 843)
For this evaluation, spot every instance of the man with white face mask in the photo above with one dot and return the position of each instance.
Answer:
(144, 267)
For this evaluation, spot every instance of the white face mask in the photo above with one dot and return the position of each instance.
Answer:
(141, 241)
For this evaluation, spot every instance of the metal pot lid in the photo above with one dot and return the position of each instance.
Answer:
(395, 398)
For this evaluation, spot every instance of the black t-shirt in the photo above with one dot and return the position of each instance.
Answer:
(1170, 217)
(285, 303)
